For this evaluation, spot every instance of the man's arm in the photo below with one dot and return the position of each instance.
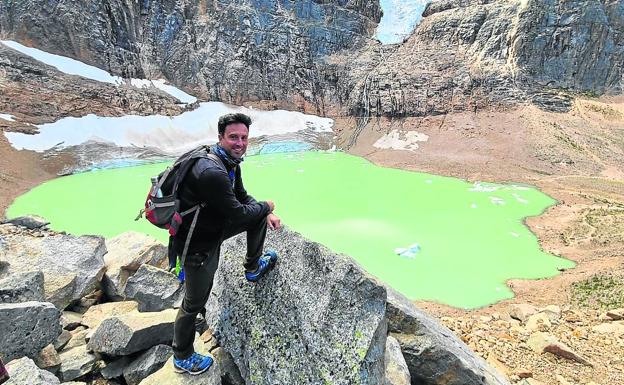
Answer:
(216, 189)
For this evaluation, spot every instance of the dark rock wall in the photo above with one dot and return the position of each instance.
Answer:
(577, 44)
(222, 50)
(470, 54)
(465, 54)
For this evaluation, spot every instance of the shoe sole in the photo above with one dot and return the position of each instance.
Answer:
(181, 371)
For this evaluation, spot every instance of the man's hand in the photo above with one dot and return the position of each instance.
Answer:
(271, 205)
(273, 222)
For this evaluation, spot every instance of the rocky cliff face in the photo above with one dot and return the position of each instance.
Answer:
(466, 54)
(222, 50)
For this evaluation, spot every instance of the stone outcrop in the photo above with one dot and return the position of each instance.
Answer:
(76, 362)
(247, 50)
(22, 287)
(24, 371)
(473, 54)
(154, 289)
(126, 253)
(147, 363)
(72, 266)
(36, 93)
(316, 317)
(98, 313)
(434, 355)
(132, 332)
(27, 327)
(397, 372)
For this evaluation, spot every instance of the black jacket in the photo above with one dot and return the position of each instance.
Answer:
(225, 205)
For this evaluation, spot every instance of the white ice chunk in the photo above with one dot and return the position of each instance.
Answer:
(497, 201)
(8, 117)
(409, 252)
(481, 187)
(520, 199)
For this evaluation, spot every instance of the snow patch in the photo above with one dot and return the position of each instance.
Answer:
(170, 134)
(401, 140)
(75, 67)
(8, 117)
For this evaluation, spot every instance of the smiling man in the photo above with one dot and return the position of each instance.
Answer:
(216, 183)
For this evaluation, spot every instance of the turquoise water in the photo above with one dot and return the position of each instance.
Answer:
(430, 237)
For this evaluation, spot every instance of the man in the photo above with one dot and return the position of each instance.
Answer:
(228, 211)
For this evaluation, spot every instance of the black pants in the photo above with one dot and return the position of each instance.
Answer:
(199, 271)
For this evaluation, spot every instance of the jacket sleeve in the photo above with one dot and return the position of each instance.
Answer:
(216, 190)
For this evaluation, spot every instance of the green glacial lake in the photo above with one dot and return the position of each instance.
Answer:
(471, 236)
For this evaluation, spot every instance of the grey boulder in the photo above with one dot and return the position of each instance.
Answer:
(76, 362)
(72, 266)
(29, 221)
(397, 372)
(434, 355)
(132, 332)
(154, 289)
(27, 327)
(315, 318)
(22, 287)
(147, 363)
(126, 253)
(24, 372)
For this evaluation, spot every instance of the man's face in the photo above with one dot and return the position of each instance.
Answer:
(234, 139)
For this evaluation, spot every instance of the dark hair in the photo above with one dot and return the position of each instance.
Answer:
(233, 118)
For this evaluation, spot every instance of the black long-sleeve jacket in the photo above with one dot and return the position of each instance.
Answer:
(225, 205)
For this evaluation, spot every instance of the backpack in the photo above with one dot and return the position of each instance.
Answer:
(162, 206)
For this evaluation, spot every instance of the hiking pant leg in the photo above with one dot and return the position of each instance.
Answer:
(199, 271)
(256, 234)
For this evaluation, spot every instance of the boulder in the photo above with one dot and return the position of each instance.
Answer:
(397, 372)
(522, 311)
(434, 355)
(78, 338)
(147, 363)
(96, 314)
(115, 368)
(22, 287)
(132, 332)
(24, 371)
(230, 374)
(76, 363)
(126, 253)
(62, 340)
(72, 266)
(546, 343)
(615, 329)
(30, 222)
(48, 359)
(27, 327)
(154, 289)
(616, 314)
(317, 317)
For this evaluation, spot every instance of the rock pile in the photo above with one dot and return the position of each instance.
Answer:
(316, 318)
(549, 345)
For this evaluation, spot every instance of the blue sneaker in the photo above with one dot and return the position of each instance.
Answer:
(265, 263)
(195, 364)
